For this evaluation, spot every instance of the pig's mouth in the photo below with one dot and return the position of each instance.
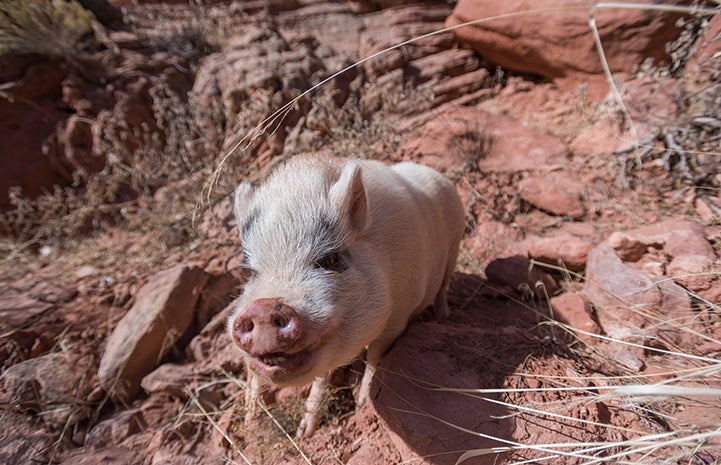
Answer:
(283, 367)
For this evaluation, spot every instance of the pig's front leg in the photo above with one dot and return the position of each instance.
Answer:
(313, 406)
(252, 391)
(365, 385)
(374, 354)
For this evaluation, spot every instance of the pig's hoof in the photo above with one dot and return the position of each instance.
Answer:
(308, 425)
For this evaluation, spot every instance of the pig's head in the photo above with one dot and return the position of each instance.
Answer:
(315, 297)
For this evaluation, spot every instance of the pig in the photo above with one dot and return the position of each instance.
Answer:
(341, 254)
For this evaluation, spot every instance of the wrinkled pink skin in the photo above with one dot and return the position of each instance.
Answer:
(343, 254)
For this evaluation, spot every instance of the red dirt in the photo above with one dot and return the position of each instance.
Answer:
(486, 377)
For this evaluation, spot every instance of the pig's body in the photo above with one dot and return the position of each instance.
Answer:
(343, 253)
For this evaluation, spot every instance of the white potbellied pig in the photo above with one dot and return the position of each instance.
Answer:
(342, 253)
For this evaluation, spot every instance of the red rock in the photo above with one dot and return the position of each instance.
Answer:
(627, 247)
(694, 272)
(652, 102)
(28, 119)
(107, 455)
(554, 192)
(563, 250)
(163, 311)
(571, 309)
(249, 70)
(560, 42)
(52, 386)
(217, 294)
(115, 429)
(18, 309)
(707, 208)
(21, 344)
(493, 240)
(213, 350)
(177, 445)
(225, 424)
(628, 359)
(705, 48)
(516, 275)
(654, 267)
(405, 397)
(586, 231)
(23, 442)
(169, 378)
(677, 237)
(468, 138)
(626, 298)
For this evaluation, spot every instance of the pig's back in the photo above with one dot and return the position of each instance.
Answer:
(417, 219)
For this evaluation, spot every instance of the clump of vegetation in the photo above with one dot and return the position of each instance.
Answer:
(150, 184)
(51, 28)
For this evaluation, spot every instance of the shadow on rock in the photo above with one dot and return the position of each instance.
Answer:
(415, 390)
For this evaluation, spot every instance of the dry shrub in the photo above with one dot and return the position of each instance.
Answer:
(168, 151)
(366, 124)
(52, 28)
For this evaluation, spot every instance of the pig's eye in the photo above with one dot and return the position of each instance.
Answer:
(248, 271)
(332, 261)
(245, 266)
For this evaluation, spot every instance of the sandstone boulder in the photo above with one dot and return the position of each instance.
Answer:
(493, 240)
(163, 311)
(28, 118)
(558, 42)
(114, 430)
(697, 273)
(563, 250)
(632, 304)
(570, 308)
(678, 237)
(465, 137)
(240, 83)
(555, 192)
(677, 248)
(420, 416)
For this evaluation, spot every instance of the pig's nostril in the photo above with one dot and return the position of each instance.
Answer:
(287, 327)
(280, 321)
(244, 326)
(243, 332)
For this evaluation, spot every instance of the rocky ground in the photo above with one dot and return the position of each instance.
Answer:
(591, 259)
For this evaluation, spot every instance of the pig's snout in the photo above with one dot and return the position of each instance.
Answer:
(267, 326)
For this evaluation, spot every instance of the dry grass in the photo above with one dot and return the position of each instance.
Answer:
(166, 155)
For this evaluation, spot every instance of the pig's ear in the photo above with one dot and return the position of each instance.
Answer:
(349, 196)
(242, 202)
